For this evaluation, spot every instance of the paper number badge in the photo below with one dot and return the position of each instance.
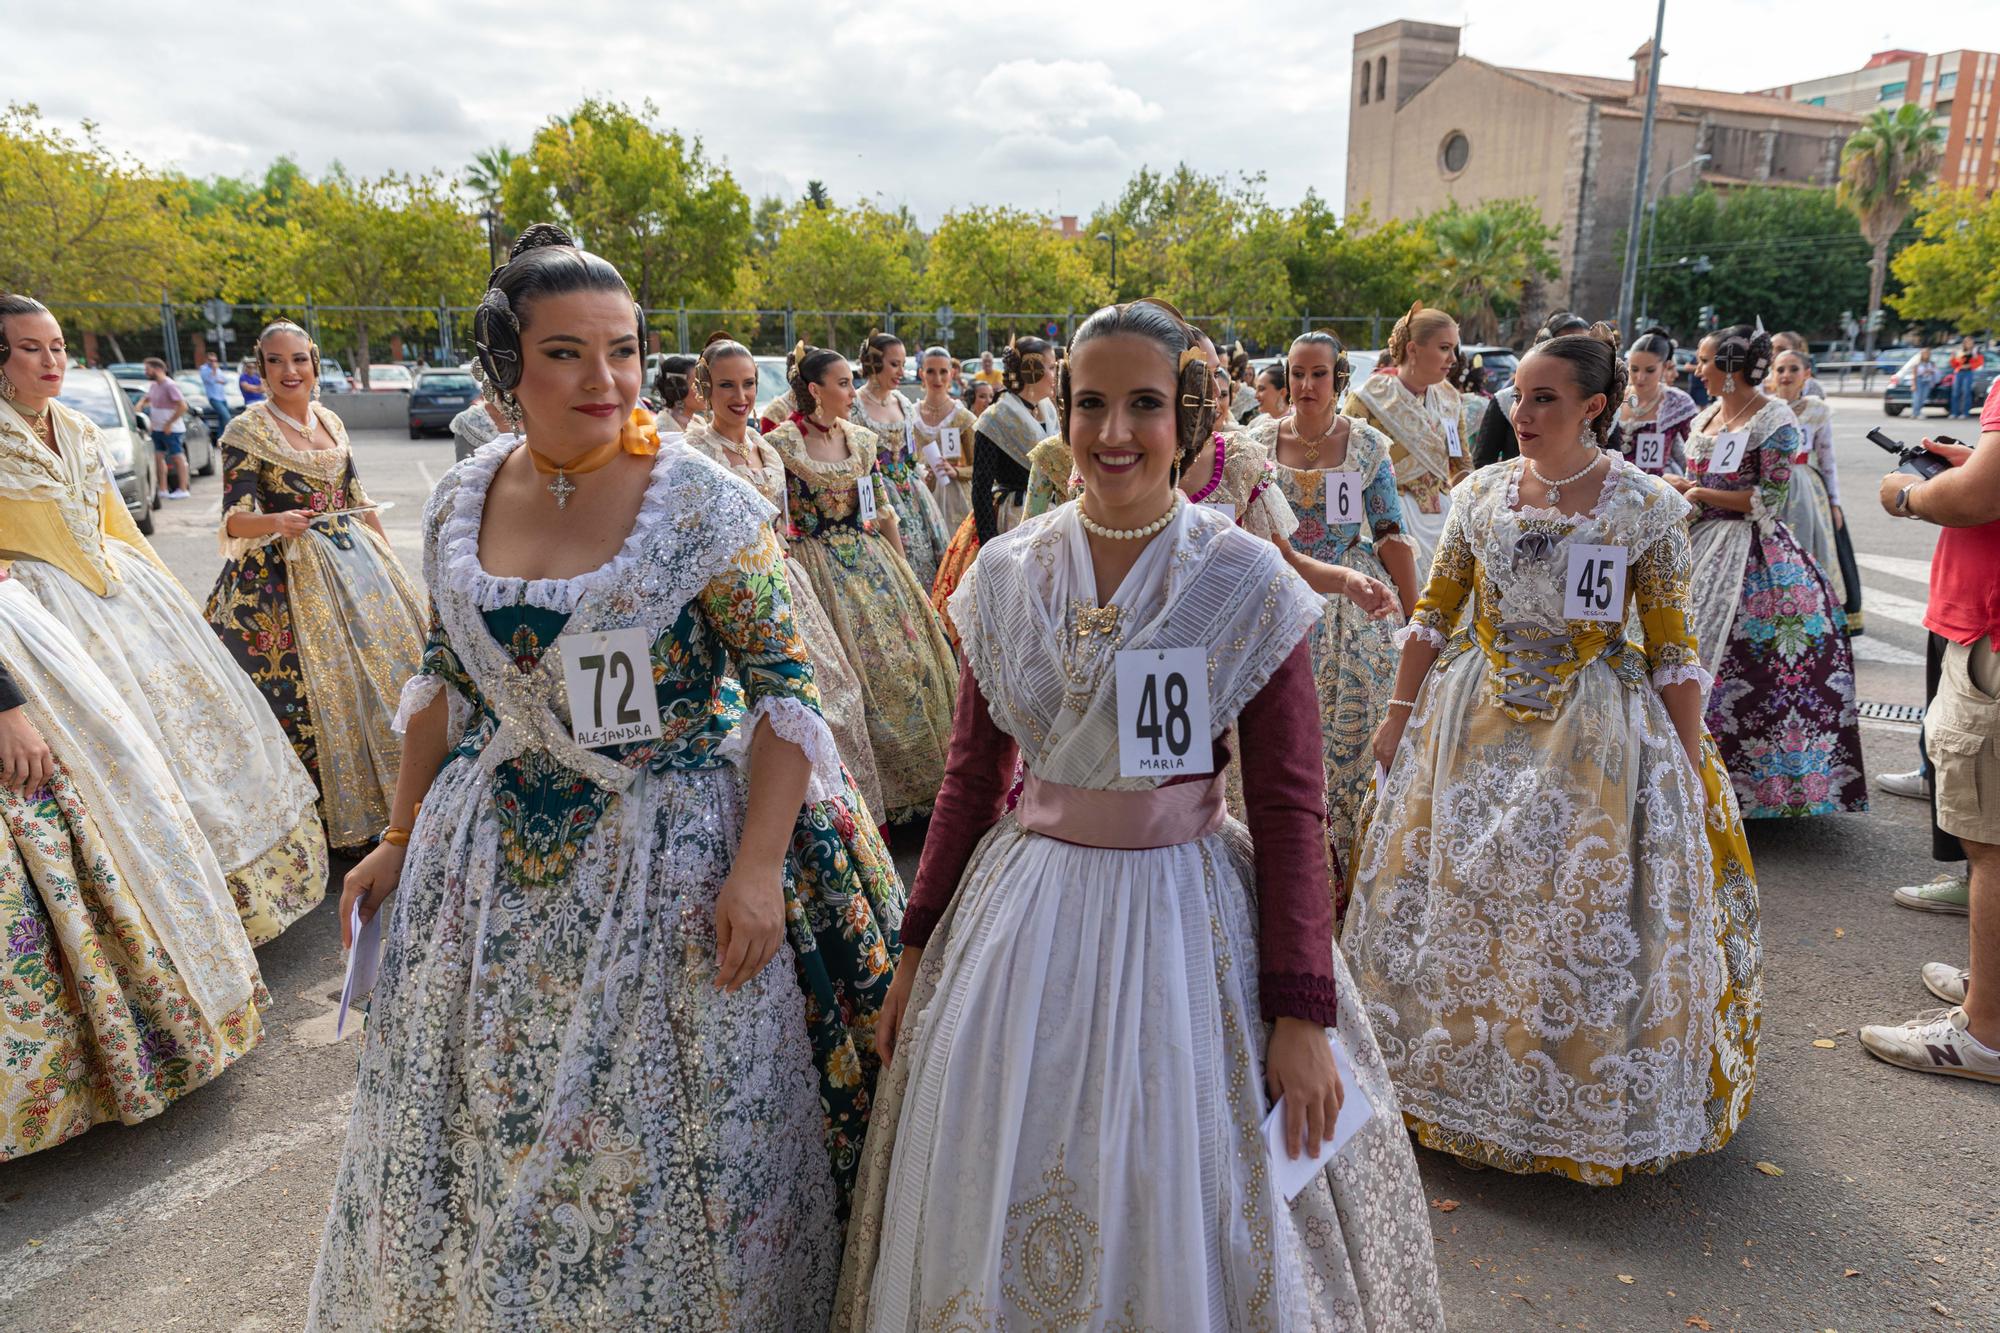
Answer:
(1729, 449)
(949, 443)
(1594, 587)
(610, 681)
(1452, 447)
(864, 495)
(1163, 712)
(1649, 451)
(1343, 497)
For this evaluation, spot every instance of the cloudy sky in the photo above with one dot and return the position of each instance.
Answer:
(1044, 106)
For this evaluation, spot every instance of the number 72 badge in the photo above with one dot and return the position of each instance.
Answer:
(1163, 712)
(609, 677)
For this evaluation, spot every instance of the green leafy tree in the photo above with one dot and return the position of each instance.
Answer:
(1353, 266)
(675, 224)
(1951, 274)
(1483, 258)
(766, 221)
(1790, 256)
(1005, 259)
(1883, 167)
(486, 175)
(831, 258)
(817, 196)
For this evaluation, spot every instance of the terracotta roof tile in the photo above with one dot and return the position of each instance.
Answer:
(1619, 91)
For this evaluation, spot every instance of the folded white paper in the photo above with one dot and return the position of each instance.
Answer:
(362, 961)
(1292, 1174)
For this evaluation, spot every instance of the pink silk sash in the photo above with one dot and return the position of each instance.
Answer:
(1124, 820)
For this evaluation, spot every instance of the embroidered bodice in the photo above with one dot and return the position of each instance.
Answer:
(1766, 469)
(1513, 562)
(825, 496)
(1380, 513)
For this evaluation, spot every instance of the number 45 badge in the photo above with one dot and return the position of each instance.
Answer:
(1163, 712)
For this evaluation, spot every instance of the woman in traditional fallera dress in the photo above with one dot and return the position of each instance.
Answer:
(1770, 626)
(941, 423)
(311, 601)
(1652, 405)
(1335, 473)
(75, 548)
(893, 638)
(128, 981)
(1812, 497)
(1424, 419)
(1554, 924)
(587, 1098)
(1022, 417)
(1103, 1015)
(726, 378)
(880, 407)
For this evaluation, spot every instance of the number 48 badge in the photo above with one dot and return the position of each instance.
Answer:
(1163, 712)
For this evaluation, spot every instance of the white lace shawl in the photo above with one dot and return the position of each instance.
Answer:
(1203, 582)
(695, 520)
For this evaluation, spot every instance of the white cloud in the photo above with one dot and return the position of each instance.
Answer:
(1057, 95)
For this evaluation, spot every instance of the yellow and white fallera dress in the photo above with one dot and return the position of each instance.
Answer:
(74, 547)
(1555, 920)
(127, 980)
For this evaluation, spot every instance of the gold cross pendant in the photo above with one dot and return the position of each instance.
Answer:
(562, 488)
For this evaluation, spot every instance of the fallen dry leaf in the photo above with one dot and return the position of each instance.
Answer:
(1445, 1205)
(33, 1243)
(1941, 1307)
(1939, 1259)
(1839, 934)
(1696, 1321)
(1627, 1279)
(1826, 1044)
(1850, 1272)
(1771, 1168)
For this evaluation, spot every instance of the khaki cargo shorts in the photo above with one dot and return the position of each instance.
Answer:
(1962, 737)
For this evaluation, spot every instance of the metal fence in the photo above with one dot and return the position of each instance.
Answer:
(181, 332)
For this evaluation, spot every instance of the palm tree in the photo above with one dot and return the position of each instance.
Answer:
(1882, 167)
(1485, 255)
(486, 174)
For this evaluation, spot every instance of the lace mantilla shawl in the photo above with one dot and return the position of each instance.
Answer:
(1674, 407)
(1418, 427)
(1212, 586)
(1015, 429)
(1775, 415)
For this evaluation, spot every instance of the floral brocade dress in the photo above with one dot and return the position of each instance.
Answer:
(1353, 654)
(839, 688)
(127, 981)
(1771, 631)
(1555, 920)
(561, 1122)
(920, 520)
(893, 638)
(326, 625)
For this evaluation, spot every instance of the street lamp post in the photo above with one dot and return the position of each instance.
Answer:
(1630, 272)
(1113, 240)
(1652, 220)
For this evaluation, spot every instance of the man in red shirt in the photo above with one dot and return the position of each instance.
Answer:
(1962, 738)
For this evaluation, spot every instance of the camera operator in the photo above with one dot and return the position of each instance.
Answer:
(1962, 741)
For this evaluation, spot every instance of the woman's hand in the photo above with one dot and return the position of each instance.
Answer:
(1372, 595)
(25, 761)
(370, 883)
(1677, 481)
(291, 522)
(947, 471)
(749, 923)
(1299, 1067)
(1390, 735)
(889, 1018)
(1839, 519)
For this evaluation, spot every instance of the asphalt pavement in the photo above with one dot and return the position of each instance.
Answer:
(1855, 1197)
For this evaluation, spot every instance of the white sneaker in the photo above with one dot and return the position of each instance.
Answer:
(1947, 982)
(1934, 1043)
(1910, 784)
(180, 495)
(1948, 893)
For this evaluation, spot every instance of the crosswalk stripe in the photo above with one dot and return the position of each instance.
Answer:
(1896, 566)
(1888, 606)
(1871, 648)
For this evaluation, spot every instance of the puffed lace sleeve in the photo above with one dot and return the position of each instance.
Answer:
(1662, 586)
(1774, 472)
(1452, 572)
(749, 607)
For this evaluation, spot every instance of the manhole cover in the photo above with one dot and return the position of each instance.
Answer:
(1874, 712)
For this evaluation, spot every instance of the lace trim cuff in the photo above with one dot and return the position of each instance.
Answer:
(800, 723)
(1281, 994)
(1686, 671)
(1397, 538)
(419, 692)
(1416, 629)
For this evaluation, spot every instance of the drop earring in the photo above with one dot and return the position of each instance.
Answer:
(510, 407)
(7, 389)
(1729, 384)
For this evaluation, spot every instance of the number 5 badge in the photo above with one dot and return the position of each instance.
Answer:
(1163, 712)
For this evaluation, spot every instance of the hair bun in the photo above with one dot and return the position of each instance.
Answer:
(539, 234)
(719, 336)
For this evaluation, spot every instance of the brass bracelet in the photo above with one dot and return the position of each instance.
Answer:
(396, 837)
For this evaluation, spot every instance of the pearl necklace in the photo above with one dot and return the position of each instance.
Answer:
(1555, 487)
(1096, 529)
(305, 429)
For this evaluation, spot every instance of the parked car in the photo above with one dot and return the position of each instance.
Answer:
(389, 378)
(1498, 362)
(1896, 394)
(332, 378)
(199, 437)
(1361, 363)
(128, 445)
(127, 370)
(771, 381)
(437, 397)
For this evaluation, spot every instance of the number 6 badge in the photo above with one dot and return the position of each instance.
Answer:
(1163, 712)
